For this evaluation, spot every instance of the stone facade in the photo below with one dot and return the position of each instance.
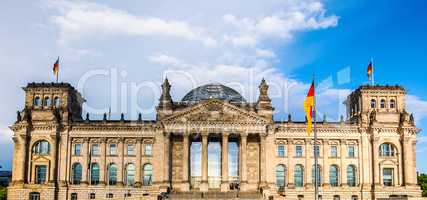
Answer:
(60, 155)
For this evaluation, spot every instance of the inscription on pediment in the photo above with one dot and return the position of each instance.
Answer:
(215, 111)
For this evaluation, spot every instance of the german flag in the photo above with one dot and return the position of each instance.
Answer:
(56, 68)
(308, 107)
(369, 70)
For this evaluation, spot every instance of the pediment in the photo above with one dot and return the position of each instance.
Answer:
(215, 111)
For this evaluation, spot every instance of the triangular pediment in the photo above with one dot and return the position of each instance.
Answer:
(215, 111)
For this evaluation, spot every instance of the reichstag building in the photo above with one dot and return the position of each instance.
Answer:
(212, 144)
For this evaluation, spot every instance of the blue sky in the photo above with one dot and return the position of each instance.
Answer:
(117, 52)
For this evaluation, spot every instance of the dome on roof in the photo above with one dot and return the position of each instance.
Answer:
(213, 91)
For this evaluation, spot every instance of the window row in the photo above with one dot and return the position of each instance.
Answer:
(47, 102)
(112, 171)
(299, 175)
(391, 104)
(333, 151)
(113, 149)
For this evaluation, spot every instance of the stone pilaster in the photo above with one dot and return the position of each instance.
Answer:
(204, 184)
(53, 162)
(224, 163)
(243, 161)
(167, 160)
(120, 165)
(343, 168)
(326, 166)
(185, 162)
(85, 163)
(103, 165)
(138, 166)
(263, 167)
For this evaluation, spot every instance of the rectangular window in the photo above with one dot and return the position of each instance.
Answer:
(281, 151)
(130, 149)
(334, 152)
(351, 151)
(73, 196)
(92, 196)
(94, 150)
(316, 151)
(298, 151)
(110, 195)
(113, 149)
(77, 149)
(388, 177)
(41, 174)
(148, 150)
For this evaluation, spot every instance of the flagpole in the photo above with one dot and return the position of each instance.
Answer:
(316, 173)
(372, 79)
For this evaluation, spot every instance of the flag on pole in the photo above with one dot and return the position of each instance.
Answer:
(370, 70)
(56, 69)
(308, 107)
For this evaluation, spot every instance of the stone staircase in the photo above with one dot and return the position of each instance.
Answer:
(215, 195)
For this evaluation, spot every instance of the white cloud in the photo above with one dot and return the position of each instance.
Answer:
(5, 135)
(80, 19)
(417, 106)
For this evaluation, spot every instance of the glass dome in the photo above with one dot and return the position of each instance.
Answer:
(213, 91)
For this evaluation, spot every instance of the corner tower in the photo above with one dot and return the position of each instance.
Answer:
(368, 104)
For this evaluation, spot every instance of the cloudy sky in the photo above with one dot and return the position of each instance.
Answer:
(118, 52)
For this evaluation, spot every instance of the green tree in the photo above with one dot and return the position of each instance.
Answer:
(422, 181)
(3, 193)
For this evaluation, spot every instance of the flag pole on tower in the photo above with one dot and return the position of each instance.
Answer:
(310, 111)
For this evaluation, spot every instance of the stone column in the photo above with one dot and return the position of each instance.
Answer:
(185, 161)
(224, 163)
(138, 167)
(243, 163)
(204, 184)
(263, 166)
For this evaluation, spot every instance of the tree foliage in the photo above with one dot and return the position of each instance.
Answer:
(3, 193)
(422, 181)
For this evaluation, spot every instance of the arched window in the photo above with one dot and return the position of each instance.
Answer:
(333, 175)
(77, 173)
(148, 174)
(382, 104)
(94, 174)
(112, 174)
(56, 102)
(319, 175)
(41, 147)
(386, 149)
(299, 175)
(392, 104)
(47, 102)
(351, 176)
(34, 196)
(37, 101)
(130, 174)
(280, 176)
(373, 103)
